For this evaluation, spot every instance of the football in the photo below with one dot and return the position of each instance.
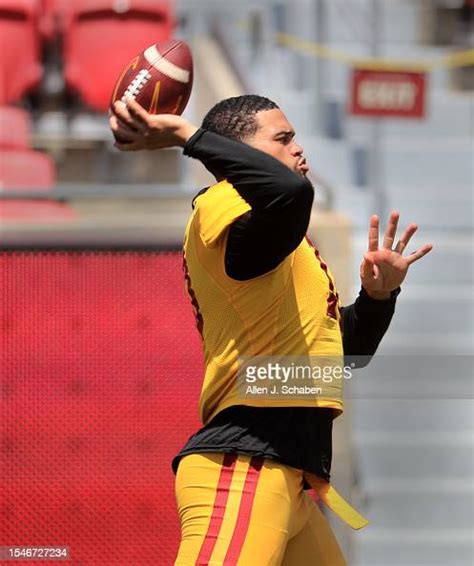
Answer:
(160, 78)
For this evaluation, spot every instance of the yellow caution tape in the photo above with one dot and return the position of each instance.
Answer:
(459, 59)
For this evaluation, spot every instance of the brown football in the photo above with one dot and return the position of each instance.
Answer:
(160, 78)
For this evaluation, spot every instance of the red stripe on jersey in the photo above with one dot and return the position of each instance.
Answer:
(245, 510)
(218, 511)
(333, 297)
(192, 296)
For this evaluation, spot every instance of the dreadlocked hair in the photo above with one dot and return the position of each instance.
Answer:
(235, 117)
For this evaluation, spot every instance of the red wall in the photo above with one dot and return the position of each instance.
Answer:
(100, 369)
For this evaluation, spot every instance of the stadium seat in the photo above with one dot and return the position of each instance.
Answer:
(51, 13)
(14, 128)
(37, 211)
(20, 68)
(52, 18)
(26, 169)
(102, 36)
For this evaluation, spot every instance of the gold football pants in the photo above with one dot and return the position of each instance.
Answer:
(236, 510)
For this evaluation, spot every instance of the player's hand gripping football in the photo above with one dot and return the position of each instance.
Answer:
(383, 269)
(135, 129)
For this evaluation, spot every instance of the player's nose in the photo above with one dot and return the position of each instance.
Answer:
(297, 149)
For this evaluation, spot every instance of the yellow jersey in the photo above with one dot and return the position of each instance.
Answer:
(292, 310)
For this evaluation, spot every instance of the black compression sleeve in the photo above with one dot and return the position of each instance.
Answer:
(280, 199)
(365, 323)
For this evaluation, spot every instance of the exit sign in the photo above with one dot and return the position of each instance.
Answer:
(387, 93)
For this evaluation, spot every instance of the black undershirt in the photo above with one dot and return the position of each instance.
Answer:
(281, 200)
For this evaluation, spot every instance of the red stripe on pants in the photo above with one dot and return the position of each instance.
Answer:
(245, 510)
(220, 502)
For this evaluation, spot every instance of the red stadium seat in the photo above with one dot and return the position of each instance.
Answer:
(36, 211)
(26, 169)
(52, 17)
(102, 36)
(20, 68)
(14, 128)
(51, 12)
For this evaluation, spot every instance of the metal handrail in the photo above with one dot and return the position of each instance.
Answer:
(69, 191)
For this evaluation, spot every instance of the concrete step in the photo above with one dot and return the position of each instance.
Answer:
(454, 314)
(413, 376)
(423, 343)
(433, 191)
(430, 210)
(431, 310)
(434, 416)
(436, 186)
(390, 461)
(421, 509)
(399, 21)
(429, 164)
(413, 547)
(429, 213)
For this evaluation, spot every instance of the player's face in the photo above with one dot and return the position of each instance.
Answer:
(276, 136)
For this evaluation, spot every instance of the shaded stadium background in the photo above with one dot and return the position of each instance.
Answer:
(100, 360)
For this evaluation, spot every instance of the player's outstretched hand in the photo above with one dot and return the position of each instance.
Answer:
(135, 129)
(383, 269)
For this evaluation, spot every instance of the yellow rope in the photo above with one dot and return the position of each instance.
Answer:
(459, 59)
